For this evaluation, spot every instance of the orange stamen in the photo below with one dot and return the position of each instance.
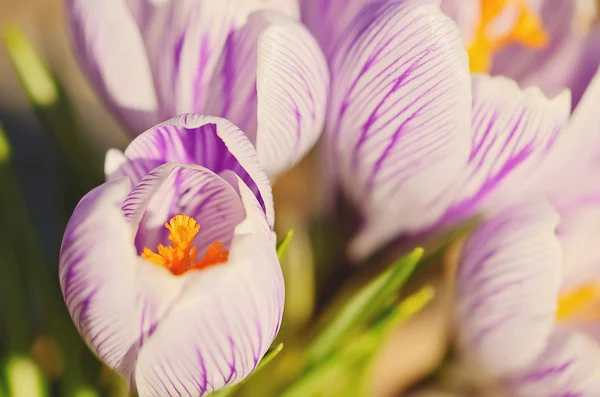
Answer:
(181, 255)
(580, 305)
(527, 29)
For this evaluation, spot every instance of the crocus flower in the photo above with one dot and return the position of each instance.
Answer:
(528, 279)
(551, 44)
(249, 61)
(528, 294)
(169, 269)
(416, 143)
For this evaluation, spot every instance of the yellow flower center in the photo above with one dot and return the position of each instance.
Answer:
(181, 255)
(580, 305)
(527, 29)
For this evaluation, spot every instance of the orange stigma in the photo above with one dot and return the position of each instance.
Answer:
(527, 29)
(180, 256)
(580, 305)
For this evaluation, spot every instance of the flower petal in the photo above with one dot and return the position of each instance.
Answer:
(225, 320)
(399, 117)
(272, 81)
(211, 142)
(569, 61)
(568, 367)
(178, 189)
(513, 131)
(508, 285)
(327, 20)
(466, 14)
(111, 48)
(185, 40)
(113, 301)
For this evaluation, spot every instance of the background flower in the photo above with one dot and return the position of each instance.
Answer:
(260, 69)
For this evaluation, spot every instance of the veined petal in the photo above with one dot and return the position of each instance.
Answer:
(272, 81)
(178, 189)
(569, 366)
(508, 286)
(113, 297)
(211, 142)
(570, 59)
(185, 40)
(513, 132)
(112, 50)
(225, 320)
(399, 116)
(466, 14)
(327, 20)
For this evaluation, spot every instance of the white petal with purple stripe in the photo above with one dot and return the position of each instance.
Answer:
(211, 142)
(173, 335)
(508, 284)
(399, 118)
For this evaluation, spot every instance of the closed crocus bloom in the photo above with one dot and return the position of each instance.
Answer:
(415, 142)
(249, 61)
(551, 44)
(169, 269)
(528, 293)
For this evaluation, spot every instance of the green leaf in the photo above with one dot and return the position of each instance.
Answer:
(49, 100)
(363, 306)
(35, 76)
(347, 368)
(283, 246)
(24, 378)
(267, 358)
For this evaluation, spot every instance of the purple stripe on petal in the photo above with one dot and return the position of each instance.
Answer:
(508, 284)
(177, 189)
(513, 132)
(211, 142)
(112, 51)
(223, 322)
(567, 368)
(399, 116)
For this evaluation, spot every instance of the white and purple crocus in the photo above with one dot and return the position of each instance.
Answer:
(413, 140)
(169, 269)
(249, 61)
(528, 281)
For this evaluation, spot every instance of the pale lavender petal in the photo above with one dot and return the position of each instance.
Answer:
(399, 116)
(178, 189)
(256, 220)
(567, 368)
(578, 233)
(111, 49)
(513, 132)
(223, 323)
(327, 19)
(466, 14)
(211, 142)
(508, 286)
(185, 40)
(570, 174)
(569, 61)
(113, 297)
(272, 81)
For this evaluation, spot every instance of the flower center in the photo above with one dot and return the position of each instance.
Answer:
(180, 256)
(524, 27)
(580, 305)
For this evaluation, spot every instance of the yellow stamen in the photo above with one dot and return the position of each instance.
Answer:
(181, 255)
(527, 29)
(581, 304)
